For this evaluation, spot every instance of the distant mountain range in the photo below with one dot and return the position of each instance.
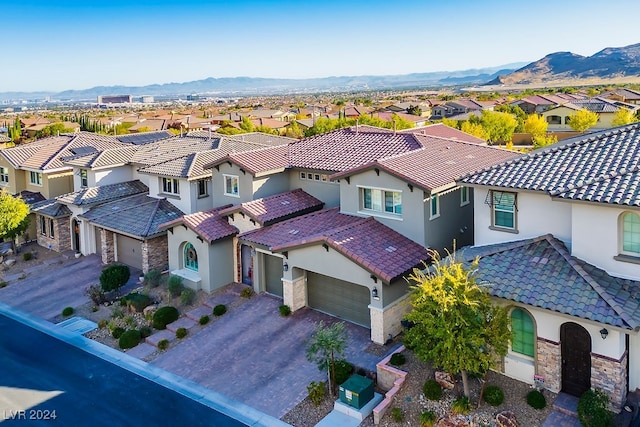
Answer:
(241, 86)
(565, 67)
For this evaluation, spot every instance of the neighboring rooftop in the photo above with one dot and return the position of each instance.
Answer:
(443, 131)
(210, 225)
(104, 193)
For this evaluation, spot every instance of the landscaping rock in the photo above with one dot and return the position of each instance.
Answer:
(149, 310)
(506, 419)
(10, 262)
(445, 380)
(452, 420)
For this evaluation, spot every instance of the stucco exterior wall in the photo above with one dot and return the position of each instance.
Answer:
(108, 176)
(455, 222)
(270, 185)
(243, 223)
(536, 215)
(245, 185)
(328, 192)
(16, 178)
(57, 184)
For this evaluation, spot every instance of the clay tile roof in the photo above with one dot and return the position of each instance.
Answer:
(210, 225)
(257, 161)
(103, 193)
(601, 167)
(370, 244)
(50, 207)
(278, 207)
(541, 272)
(444, 131)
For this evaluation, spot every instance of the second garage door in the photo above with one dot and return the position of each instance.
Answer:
(273, 274)
(339, 298)
(129, 251)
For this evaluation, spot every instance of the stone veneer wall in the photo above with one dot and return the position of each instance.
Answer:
(610, 375)
(155, 253)
(549, 363)
(106, 243)
(386, 321)
(294, 293)
(61, 240)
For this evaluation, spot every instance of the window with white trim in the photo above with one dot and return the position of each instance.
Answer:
(43, 226)
(84, 180)
(503, 205)
(523, 337)
(464, 196)
(434, 206)
(203, 188)
(4, 175)
(170, 186)
(35, 178)
(631, 234)
(190, 257)
(384, 201)
(51, 228)
(231, 185)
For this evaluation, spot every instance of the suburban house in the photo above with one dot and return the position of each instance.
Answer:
(333, 222)
(459, 106)
(628, 96)
(557, 232)
(540, 103)
(558, 117)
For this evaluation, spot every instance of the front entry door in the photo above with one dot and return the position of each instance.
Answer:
(576, 359)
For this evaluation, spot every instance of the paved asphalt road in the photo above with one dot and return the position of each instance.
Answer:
(41, 374)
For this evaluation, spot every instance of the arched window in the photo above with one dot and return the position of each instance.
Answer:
(631, 233)
(190, 257)
(523, 333)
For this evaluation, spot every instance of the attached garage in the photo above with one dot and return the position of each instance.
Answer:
(129, 251)
(273, 274)
(339, 298)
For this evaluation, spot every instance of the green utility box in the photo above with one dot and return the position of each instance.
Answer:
(357, 391)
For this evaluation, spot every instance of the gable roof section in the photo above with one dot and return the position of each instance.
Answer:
(368, 243)
(144, 138)
(278, 207)
(600, 167)
(259, 161)
(50, 207)
(540, 272)
(100, 159)
(209, 225)
(438, 165)
(138, 215)
(31, 197)
(104, 193)
(443, 131)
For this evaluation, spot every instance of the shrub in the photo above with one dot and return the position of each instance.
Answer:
(138, 301)
(397, 359)
(432, 390)
(117, 313)
(117, 332)
(427, 419)
(152, 278)
(396, 415)
(129, 321)
(316, 392)
(181, 333)
(3, 284)
(129, 339)
(145, 331)
(247, 292)
(461, 405)
(163, 344)
(204, 320)
(114, 277)
(219, 310)
(343, 371)
(175, 286)
(592, 409)
(103, 323)
(123, 302)
(27, 256)
(285, 310)
(536, 399)
(165, 315)
(67, 311)
(96, 294)
(187, 296)
(493, 395)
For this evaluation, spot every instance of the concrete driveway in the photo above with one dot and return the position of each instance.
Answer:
(257, 357)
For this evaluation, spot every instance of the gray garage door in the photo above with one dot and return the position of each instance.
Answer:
(129, 251)
(339, 298)
(273, 274)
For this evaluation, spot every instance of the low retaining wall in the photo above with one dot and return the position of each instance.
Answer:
(391, 379)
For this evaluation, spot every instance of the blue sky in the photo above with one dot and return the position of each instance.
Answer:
(67, 44)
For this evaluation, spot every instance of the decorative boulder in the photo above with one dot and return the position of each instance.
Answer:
(506, 419)
(445, 380)
(149, 310)
(10, 262)
(452, 420)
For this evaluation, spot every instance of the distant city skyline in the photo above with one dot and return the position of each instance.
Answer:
(72, 44)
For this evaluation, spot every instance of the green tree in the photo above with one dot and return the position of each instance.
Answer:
(246, 124)
(327, 344)
(624, 116)
(456, 124)
(583, 120)
(456, 326)
(14, 216)
(499, 126)
(474, 129)
(517, 112)
(52, 130)
(15, 131)
(294, 130)
(415, 110)
(536, 125)
(543, 140)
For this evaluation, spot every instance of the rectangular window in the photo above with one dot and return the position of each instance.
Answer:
(43, 226)
(434, 206)
(382, 201)
(203, 190)
(84, 181)
(4, 175)
(51, 233)
(231, 187)
(35, 178)
(464, 196)
(504, 209)
(303, 175)
(170, 186)
(317, 177)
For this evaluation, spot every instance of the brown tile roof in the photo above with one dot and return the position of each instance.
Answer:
(104, 193)
(437, 165)
(278, 207)
(265, 159)
(370, 244)
(209, 225)
(444, 131)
